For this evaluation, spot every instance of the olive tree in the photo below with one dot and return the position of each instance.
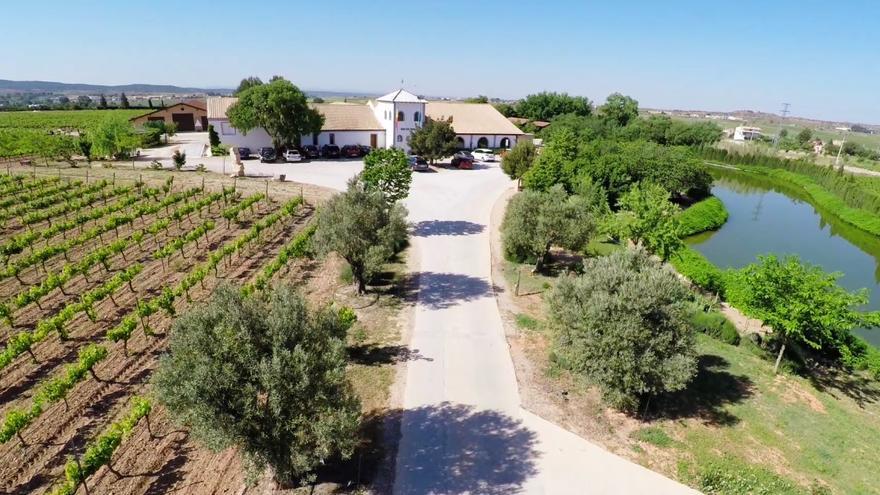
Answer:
(434, 140)
(388, 171)
(536, 221)
(363, 228)
(519, 160)
(648, 218)
(279, 107)
(267, 377)
(623, 325)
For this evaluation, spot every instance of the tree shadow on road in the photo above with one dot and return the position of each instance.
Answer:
(444, 290)
(452, 448)
(430, 228)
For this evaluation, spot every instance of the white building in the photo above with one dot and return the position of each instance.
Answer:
(385, 122)
(744, 133)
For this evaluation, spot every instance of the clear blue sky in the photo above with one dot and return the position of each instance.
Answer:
(822, 57)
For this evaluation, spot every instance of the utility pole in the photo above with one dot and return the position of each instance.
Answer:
(784, 113)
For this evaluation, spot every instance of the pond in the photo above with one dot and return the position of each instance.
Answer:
(766, 217)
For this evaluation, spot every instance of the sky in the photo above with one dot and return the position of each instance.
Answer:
(822, 57)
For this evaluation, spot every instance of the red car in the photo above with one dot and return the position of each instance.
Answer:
(351, 151)
(463, 160)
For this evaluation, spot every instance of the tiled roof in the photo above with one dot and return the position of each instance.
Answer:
(472, 118)
(337, 116)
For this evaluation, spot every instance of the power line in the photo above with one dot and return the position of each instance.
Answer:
(784, 113)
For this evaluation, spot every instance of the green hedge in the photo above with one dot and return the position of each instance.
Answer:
(715, 325)
(708, 214)
(699, 270)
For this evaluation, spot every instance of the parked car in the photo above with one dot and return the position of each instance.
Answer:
(244, 152)
(463, 159)
(351, 151)
(292, 156)
(484, 155)
(330, 151)
(365, 150)
(267, 154)
(418, 164)
(311, 151)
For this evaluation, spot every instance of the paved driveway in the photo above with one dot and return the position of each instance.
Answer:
(463, 430)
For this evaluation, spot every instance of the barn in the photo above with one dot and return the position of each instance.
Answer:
(189, 116)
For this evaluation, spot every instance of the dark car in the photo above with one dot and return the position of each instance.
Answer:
(351, 151)
(330, 151)
(365, 150)
(244, 152)
(418, 164)
(310, 151)
(463, 159)
(267, 154)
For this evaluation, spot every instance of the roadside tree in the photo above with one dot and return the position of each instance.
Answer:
(388, 170)
(535, 221)
(434, 140)
(519, 160)
(623, 326)
(280, 108)
(649, 219)
(361, 227)
(265, 377)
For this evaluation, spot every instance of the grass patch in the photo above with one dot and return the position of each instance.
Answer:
(730, 476)
(715, 325)
(526, 322)
(705, 215)
(652, 435)
(699, 270)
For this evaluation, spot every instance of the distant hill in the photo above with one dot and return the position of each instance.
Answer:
(7, 86)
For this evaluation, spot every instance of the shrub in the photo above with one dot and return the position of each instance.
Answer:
(219, 151)
(699, 270)
(715, 325)
(623, 325)
(179, 159)
(708, 214)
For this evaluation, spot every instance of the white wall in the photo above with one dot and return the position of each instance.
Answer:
(471, 140)
(384, 112)
(256, 138)
(343, 138)
(404, 128)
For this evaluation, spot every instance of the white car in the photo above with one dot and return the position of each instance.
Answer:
(483, 155)
(292, 156)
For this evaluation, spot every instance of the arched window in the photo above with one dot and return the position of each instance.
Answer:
(482, 142)
(400, 116)
(417, 117)
(399, 138)
(459, 142)
(505, 143)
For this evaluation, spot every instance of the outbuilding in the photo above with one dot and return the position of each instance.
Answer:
(189, 116)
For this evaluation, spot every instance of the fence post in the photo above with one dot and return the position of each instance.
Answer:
(87, 176)
(267, 189)
(203, 184)
(114, 178)
(234, 182)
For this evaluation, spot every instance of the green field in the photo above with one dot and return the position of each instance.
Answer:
(60, 119)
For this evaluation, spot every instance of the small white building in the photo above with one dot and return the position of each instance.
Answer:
(744, 133)
(385, 122)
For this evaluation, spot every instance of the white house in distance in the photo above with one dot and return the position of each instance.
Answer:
(384, 122)
(745, 133)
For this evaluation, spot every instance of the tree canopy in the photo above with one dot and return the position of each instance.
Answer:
(265, 377)
(536, 221)
(620, 109)
(247, 83)
(361, 227)
(519, 160)
(647, 218)
(113, 137)
(434, 140)
(623, 325)
(280, 108)
(388, 170)
(547, 105)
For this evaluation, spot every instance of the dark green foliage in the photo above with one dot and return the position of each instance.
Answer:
(546, 106)
(623, 325)
(664, 130)
(619, 109)
(179, 159)
(247, 83)
(361, 227)
(213, 137)
(123, 101)
(554, 165)
(434, 140)
(266, 377)
(477, 99)
(715, 325)
(519, 160)
(536, 221)
(708, 214)
(279, 107)
(647, 218)
(387, 170)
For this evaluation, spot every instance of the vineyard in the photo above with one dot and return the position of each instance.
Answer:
(91, 275)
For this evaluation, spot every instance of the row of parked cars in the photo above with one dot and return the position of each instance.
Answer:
(308, 152)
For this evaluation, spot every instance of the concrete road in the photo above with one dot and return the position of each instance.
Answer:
(463, 430)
